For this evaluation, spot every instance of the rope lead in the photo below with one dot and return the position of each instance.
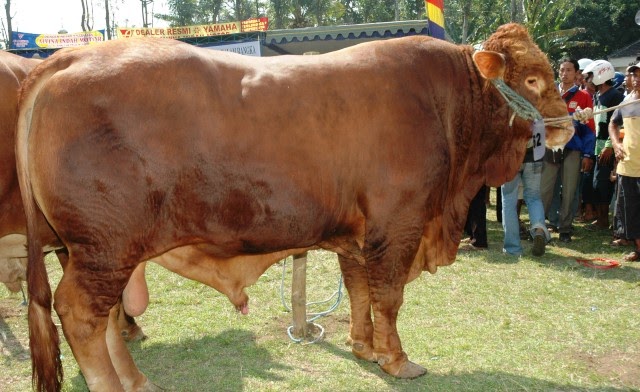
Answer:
(584, 115)
(524, 109)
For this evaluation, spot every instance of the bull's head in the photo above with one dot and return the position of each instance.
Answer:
(511, 54)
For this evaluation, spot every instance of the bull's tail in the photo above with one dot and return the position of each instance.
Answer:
(44, 340)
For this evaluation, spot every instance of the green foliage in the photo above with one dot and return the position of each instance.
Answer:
(609, 23)
(183, 12)
(588, 28)
(293, 13)
(468, 21)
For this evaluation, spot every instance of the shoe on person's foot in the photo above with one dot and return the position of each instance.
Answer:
(565, 237)
(633, 256)
(539, 243)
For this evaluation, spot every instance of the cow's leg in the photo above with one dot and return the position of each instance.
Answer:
(130, 377)
(361, 326)
(391, 242)
(386, 297)
(387, 275)
(89, 322)
(84, 327)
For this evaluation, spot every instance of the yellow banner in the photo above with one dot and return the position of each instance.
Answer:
(67, 40)
(255, 24)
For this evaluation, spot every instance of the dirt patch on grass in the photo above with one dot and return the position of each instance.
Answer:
(622, 368)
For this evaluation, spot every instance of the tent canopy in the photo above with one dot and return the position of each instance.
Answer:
(325, 39)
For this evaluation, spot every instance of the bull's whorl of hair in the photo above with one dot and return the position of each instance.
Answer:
(516, 44)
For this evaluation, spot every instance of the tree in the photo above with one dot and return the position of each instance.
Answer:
(545, 21)
(182, 12)
(470, 21)
(106, 19)
(86, 21)
(411, 10)
(517, 11)
(611, 24)
(238, 10)
(279, 10)
(6, 34)
(300, 10)
(209, 11)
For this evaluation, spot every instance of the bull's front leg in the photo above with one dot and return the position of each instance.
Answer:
(361, 326)
(387, 279)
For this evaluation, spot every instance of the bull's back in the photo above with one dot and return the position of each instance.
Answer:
(209, 142)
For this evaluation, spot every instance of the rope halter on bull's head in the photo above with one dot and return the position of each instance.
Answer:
(520, 106)
(491, 66)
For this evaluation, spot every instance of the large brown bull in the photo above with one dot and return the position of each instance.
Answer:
(133, 148)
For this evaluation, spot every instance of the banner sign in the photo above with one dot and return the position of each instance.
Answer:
(254, 24)
(435, 13)
(39, 41)
(250, 48)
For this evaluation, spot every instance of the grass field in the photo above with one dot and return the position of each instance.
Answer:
(486, 323)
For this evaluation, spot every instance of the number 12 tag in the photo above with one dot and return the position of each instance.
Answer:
(537, 130)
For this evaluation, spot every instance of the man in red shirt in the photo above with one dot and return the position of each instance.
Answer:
(577, 155)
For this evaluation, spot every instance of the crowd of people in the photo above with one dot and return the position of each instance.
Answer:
(595, 175)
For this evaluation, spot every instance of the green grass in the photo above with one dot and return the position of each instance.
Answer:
(489, 322)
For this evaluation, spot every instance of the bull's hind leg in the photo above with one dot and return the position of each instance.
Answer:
(87, 328)
(84, 326)
(361, 327)
(130, 377)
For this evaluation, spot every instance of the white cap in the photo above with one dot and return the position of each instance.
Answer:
(584, 62)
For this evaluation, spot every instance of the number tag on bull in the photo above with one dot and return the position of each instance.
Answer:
(537, 130)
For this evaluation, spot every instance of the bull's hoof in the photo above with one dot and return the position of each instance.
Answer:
(149, 387)
(133, 334)
(403, 369)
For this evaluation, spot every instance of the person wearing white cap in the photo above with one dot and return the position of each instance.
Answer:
(627, 153)
(599, 189)
(580, 82)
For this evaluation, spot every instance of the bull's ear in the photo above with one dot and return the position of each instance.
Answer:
(490, 64)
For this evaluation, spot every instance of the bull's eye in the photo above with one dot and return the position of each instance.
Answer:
(532, 82)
